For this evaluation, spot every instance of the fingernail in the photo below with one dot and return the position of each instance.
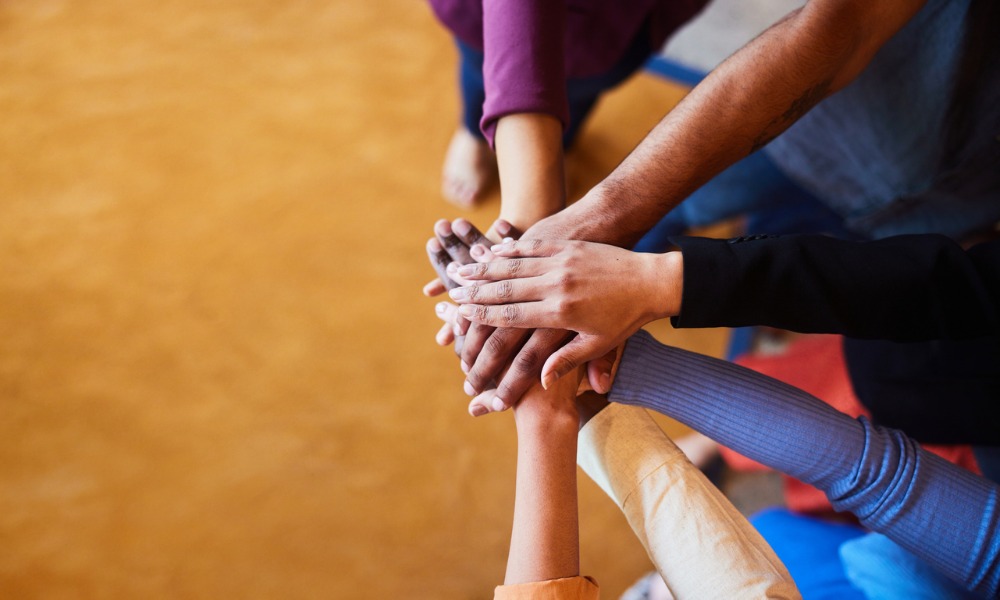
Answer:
(507, 240)
(469, 390)
(452, 267)
(458, 294)
(445, 228)
(441, 307)
(462, 227)
(477, 251)
(466, 310)
(465, 367)
(469, 270)
(606, 381)
(495, 248)
(498, 404)
(479, 410)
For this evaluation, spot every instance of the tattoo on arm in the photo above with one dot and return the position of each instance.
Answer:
(799, 107)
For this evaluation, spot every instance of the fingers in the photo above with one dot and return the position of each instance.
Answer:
(523, 315)
(469, 235)
(524, 369)
(572, 355)
(440, 261)
(507, 291)
(434, 288)
(495, 270)
(452, 271)
(504, 229)
(497, 351)
(445, 335)
(451, 243)
(527, 248)
(475, 339)
(481, 404)
(599, 372)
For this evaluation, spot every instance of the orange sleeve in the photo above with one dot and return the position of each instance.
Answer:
(566, 588)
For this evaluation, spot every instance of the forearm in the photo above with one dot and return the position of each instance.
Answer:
(545, 541)
(940, 512)
(904, 288)
(530, 161)
(701, 545)
(746, 101)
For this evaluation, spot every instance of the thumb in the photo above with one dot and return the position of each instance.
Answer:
(578, 351)
(599, 372)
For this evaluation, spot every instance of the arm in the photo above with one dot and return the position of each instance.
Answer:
(530, 161)
(752, 97)
(749, 99)
(545, 540)
(904, 288)
(701, 545)
(943, 514)
(526, 110)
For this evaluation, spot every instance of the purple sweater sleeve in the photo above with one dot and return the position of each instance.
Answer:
(523, 60)
(940, 512)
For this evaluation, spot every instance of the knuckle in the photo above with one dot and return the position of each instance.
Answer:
(476, 378)
(482, 312)
(510, 314)
(504, 290)
(534, 245)
(527, 360)
(496, 343)
(514, 267)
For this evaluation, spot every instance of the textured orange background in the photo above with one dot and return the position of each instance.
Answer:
(217, 374)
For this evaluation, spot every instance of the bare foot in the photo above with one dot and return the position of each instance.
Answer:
(469, 169)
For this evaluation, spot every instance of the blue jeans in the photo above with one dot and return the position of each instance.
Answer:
(582, 92)
(753, 187)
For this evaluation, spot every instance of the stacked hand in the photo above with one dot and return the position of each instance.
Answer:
(602, 293)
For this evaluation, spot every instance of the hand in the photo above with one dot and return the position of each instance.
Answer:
(455, 243)
(451, 246)
(485, 352)
(460, 243)
(603, 293)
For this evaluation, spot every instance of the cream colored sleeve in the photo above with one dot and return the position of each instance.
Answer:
(701, 545)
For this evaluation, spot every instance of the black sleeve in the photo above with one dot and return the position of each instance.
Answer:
(903, 288)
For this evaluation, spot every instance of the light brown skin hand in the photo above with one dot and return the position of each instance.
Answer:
(603, 293)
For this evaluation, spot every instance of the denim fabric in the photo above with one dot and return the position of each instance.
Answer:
(754, 187)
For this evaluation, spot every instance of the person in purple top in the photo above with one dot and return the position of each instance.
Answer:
(546, 64)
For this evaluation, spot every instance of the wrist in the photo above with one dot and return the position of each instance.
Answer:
(546, 420)
(665, 274)
(524, 213)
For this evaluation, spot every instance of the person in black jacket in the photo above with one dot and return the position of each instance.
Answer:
(920, 314)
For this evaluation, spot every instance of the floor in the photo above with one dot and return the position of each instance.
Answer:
(217, 373)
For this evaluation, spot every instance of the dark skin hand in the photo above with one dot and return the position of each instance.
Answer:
(588, 401)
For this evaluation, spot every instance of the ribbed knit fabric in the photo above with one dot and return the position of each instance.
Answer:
(941, 513)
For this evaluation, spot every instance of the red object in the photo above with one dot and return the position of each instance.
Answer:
(815, 363)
